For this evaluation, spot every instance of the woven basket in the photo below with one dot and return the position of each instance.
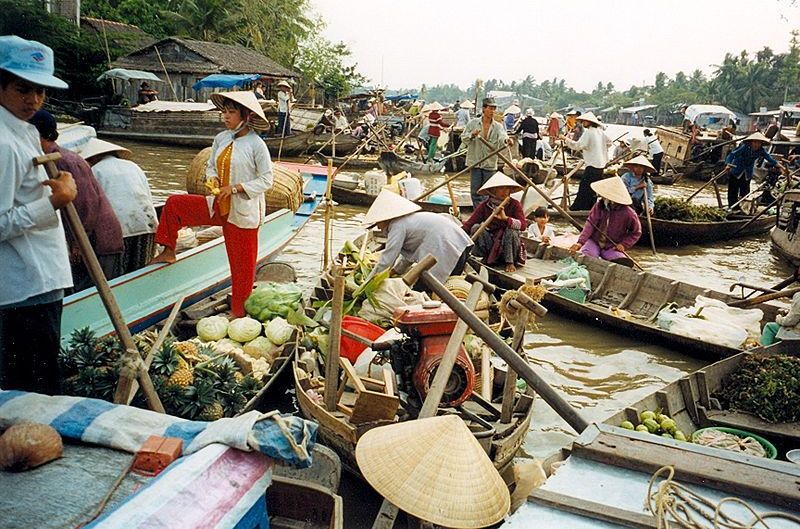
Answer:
(286, 191)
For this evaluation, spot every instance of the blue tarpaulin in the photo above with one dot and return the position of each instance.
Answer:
(222, 80)
(401, 97)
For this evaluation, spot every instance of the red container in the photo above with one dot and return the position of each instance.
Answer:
(351, 349)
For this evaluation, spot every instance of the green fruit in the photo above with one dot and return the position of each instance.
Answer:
(628, 425)
(669, 426)
(647, 414)
(651, 425)
(661, 417)
(642, 428)
(679, 435)
(668, 436)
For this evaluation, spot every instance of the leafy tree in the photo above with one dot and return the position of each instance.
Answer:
(322, 62)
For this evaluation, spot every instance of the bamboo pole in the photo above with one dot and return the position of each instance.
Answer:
(711, 181)
(449, 179)
(649, 220)
(334, 339)
(765, 297)
(326, 250)
(166, 73)
(510, 385)
(485, 223)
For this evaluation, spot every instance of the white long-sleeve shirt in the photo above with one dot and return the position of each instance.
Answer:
(594, 145)
(126, 187)
(414, 236)
(33, 249)
(283, 101)
(251, 166)
(535, 234)
(654, 146)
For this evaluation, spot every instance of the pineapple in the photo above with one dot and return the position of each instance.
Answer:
(166, 362)
(238, 377)
(182, 377)
(212, 412)
(189, 351)
(200, 397)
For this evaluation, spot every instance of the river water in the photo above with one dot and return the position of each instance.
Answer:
(597, 371)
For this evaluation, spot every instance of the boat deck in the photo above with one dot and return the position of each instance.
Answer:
(537, 269)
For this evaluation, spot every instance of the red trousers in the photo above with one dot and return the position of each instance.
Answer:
(241, 244)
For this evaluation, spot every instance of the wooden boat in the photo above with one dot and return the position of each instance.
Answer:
(500, 440)
(363, 162)
(678, 232)
(784, 234)
(678, 152)
(602, 478)
(642, 294)
(393, 163)
(356, 197)
(293, 504)
(146, 296)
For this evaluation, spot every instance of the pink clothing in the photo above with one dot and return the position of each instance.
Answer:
(592, 249)
(619, 224)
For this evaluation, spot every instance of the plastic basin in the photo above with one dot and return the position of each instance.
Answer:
(350, 348)
(769, 448)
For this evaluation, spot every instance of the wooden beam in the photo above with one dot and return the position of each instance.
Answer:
(593, 510)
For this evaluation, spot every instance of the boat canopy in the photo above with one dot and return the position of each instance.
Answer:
(711, 116)
(401, 97)
(638, 108)
(786, 109)
(128, 75)
(224, 80)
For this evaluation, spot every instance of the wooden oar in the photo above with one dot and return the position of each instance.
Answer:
(485, 223)
(712, 181)
(132, 363)
(760, 213)
(449, 179)
(649, 220)
(558, 208)
(765, 297)
(318, 151)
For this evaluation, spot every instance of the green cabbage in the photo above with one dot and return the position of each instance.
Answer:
(212, 328)
(269, 300)
(244, 329)
(278, 331)
(259, 347)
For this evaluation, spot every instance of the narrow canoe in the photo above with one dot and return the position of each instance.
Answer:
(393, 164)
(642, 294)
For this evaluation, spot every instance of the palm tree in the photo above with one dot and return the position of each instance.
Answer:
(210, 20)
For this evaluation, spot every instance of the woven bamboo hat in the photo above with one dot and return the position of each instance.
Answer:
(246, 98)
(641, 160)
(467, 104)
(434, 469)
(432, 106)
(590, 117)
(613, 189)
(96, 146)
(513, 109)
(283, 84)
(757, 136)
(499, 180)
(388, 206)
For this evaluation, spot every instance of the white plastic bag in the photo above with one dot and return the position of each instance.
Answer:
(391, 293)
(713, 321)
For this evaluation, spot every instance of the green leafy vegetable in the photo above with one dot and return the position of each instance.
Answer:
(269, 300)
(766, 385)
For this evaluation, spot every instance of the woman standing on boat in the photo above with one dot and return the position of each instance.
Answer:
(612, 226)
(239, 172)
(637, 182)
(740, 162)
(594, 144)
(500, 243)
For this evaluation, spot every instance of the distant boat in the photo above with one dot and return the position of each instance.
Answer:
(784, 234)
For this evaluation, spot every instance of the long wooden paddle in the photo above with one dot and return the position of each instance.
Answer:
(558, 208)
(132, 363)
(485, 223)
(449, 179)
(649, 220)
(765, 297)
(766, 208)
(711, 181)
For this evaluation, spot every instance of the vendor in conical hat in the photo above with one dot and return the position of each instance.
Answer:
(238, 174)
(612, 226)
(412, 234)
(593, 145)
(636, 180)
(740, 162)
(500, 244)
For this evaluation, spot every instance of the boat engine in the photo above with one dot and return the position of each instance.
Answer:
(428, 328)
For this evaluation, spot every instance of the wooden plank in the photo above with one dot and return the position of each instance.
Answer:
(637, 286)
(745, 476)
(593, 510)
(702, 388)
(685, 383)
(663, 402)
(598, 291)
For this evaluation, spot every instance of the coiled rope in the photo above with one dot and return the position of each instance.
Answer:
(675, 505)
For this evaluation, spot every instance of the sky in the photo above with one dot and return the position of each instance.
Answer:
(408, 43)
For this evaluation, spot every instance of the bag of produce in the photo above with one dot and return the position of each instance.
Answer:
(573, 270)
(389, 295)
(270, 299)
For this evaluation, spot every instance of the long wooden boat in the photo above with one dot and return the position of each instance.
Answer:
(393, 163)
(363, 162)
(641, 294)
(601, 480)
(500, 440)
(146, 296)
(678, 232)
(784, 234)
(356, 197)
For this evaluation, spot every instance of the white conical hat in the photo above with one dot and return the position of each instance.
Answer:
(513, 109)
(640, 160)
(556, 115)
(757, 136)
(388, 206)
(434, 469)
(467, 104)
(499, 180)
(96, 146)
(283, 82)
(430, 107)
(613, 189)
(590, 117)
(246, 98)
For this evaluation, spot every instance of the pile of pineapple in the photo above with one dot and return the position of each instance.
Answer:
(193, 380)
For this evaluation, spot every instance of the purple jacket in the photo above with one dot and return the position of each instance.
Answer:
(620, 224)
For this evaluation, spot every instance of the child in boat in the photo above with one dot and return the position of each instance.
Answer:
(612, 226)
(636, 180)
(500, 243)
(540, 230)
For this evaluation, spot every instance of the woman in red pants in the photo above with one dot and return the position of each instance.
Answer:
(241, 169)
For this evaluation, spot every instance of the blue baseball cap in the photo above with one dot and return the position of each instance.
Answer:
(29, 60)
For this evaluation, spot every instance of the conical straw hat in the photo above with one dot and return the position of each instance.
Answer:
(430, 107)
(613, 189)
(640, 160)
(436, 470)
(467, 104)
(246, 98)
(590, 117)
(499, 180)
(757, 136)
(95, 146)
(388, 206)
(513, 109)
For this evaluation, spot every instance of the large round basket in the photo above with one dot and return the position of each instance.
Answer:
(286, 191)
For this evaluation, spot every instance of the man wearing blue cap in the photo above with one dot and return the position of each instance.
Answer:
(33, 248)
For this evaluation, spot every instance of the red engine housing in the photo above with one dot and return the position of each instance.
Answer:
(432, 326)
